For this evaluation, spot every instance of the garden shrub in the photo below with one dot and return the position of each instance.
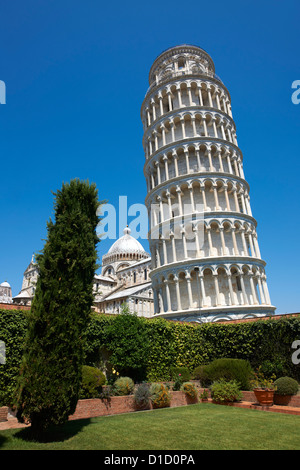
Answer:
(190, 390)
(201, 375)
(92, 381)
(123, 386)
(160, 396)
(225, 391)
(197, 372)
(227, 369)
(142, 396)
(286, 386)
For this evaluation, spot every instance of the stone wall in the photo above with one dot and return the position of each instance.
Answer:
(14, 307)
(117, 405)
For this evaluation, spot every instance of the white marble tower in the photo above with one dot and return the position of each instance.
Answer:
(206, 263)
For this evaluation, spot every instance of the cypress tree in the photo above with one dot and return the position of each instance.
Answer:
(50, 374)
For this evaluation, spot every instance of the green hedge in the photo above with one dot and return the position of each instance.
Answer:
(171, 344)
(13, 328)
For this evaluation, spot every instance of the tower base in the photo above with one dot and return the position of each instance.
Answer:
(215, 314)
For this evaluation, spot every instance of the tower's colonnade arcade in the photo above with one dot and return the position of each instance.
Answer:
(206, 262)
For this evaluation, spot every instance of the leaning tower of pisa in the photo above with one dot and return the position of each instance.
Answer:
(206, 263)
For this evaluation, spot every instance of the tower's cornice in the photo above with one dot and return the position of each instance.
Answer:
(209, 262)
(180, 77)
(190, 141)
(177, 50)
(187, 110)
(192, 177)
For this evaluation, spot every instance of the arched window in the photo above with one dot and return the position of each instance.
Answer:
(238, 283)
(145, 274)
(134, 277)
(181, 63)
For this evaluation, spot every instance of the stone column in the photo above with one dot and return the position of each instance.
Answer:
(253, 290)
(232, 302)
(178, 191)
(164, 251)
(251, 244)
(202, 189)
(215, 276)
(172, 124)
(243, 289)
(153, 109)
(202, 287)
(161, 108)
(197, 150)
(236, 251)
(175, 157)
(208, 229)
(221, 229)
(186, 153)
(211, 168)
(178, 298)
(200, 96)
(262, 297)
(189, 287)
(170, 100)
(165, 159)
(168, 295)
(228, 208)
(190, 95)
(244, 242)
(157, 164)
(217, 207)
(172, 236)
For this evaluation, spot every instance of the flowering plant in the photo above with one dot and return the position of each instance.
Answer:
(190, 390)
(204, 394)
(260, 381)
(159, 395)
(177, 383)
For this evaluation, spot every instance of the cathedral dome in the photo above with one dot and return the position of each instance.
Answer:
(126, 245)
(5, 293)
(5, 284)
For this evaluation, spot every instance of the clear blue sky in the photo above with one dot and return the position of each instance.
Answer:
(76, 74)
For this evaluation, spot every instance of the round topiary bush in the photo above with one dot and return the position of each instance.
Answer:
(160, 396)
(286, 386)
(92, 381)
(123, 386)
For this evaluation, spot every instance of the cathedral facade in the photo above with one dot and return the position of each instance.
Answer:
(124, 278)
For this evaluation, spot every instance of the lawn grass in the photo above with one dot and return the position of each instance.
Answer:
(194, 427)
